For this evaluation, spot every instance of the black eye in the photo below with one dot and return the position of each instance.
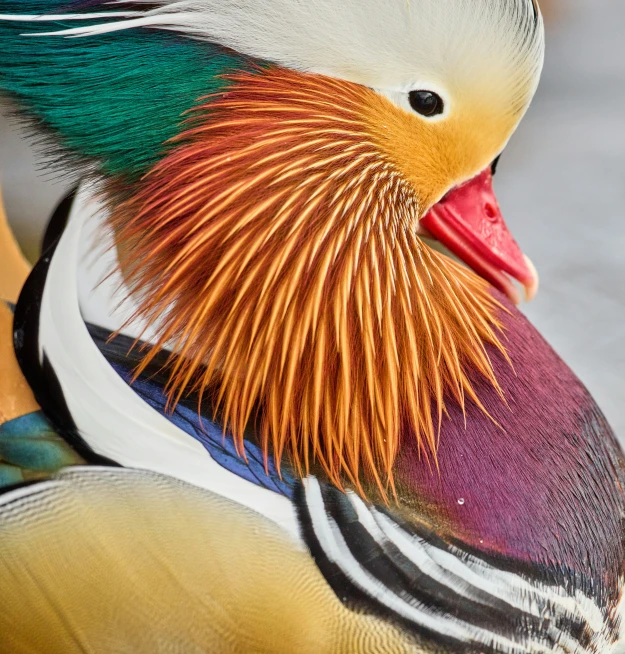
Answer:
(426, 103)
(493, 166)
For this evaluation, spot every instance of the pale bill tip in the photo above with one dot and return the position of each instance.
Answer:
(530, 290)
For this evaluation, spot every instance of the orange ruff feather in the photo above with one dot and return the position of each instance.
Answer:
(274, 250)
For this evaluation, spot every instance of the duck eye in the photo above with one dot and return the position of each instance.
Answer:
(426, 103)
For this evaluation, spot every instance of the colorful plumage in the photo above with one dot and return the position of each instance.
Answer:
(298, 289)
(247, 309)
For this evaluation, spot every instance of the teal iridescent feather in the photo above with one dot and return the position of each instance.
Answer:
(30, 448)
(113, 99)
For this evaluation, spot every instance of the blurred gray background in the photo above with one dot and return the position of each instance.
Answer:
(561, 184)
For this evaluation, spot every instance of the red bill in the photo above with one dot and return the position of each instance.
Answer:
(468, 222)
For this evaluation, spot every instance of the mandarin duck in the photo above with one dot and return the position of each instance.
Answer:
(288, 403)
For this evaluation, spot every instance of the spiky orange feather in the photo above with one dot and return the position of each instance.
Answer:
(274, 249)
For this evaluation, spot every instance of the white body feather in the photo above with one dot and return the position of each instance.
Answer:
(110, 417)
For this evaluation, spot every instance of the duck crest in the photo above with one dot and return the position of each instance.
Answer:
(274, 249)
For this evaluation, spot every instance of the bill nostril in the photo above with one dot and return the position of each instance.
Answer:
(490, 212)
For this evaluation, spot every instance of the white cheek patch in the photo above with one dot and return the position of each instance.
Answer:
(384, 45)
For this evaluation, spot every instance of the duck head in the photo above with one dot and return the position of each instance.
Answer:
(272, 231)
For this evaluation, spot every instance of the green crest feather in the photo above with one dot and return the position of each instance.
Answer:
(114, 99)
